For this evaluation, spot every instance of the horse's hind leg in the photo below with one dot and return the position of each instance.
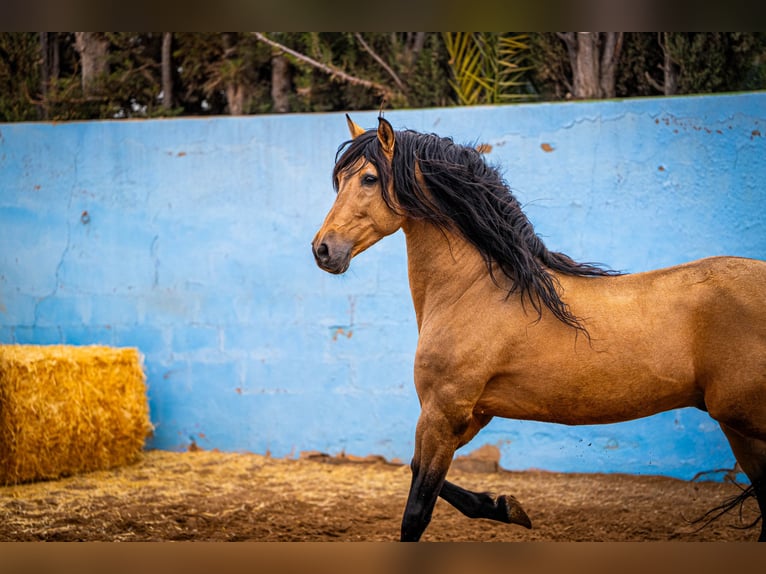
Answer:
(504, 508)
(751, 456)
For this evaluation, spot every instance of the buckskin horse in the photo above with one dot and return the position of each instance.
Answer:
(507, 328)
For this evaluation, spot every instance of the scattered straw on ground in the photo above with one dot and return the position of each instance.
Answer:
(216, 496)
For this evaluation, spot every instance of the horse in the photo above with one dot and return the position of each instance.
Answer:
(508, 328)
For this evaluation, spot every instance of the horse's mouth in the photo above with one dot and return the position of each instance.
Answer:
(335, 269)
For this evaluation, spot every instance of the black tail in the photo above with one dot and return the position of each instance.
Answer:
(727, 506)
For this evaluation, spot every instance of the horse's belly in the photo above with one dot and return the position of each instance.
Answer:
(588, 402)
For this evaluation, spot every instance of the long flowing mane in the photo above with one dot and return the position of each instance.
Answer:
(463, 193)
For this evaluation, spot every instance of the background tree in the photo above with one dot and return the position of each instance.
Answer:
(133, 88)
(717, 61)
(281, 82)
(20, 77)
(403, 69)
(89, 75)
(167, 71)
(651, 63)
(223, 73)
(593, 58)
(93, 48)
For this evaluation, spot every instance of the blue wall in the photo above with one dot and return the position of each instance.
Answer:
(189, 239)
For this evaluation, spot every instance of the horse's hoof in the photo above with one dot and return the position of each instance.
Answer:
(513, 511)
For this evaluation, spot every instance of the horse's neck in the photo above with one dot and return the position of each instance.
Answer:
(441, 266)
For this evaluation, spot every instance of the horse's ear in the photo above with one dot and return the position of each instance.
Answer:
(355, 130)
(386, 137)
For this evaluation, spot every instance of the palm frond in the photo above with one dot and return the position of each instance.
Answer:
(487, 68)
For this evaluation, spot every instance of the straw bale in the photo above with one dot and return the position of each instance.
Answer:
(66, 410)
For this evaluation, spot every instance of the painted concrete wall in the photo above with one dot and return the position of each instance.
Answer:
(189, 239)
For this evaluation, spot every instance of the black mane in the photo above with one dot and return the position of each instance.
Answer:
(465, 194)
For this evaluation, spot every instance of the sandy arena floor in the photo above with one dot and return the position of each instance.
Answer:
(212, 496)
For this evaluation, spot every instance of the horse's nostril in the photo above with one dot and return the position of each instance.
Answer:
(321, 253)
(331, 257)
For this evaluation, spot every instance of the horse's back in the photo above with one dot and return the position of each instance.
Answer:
(731, 267)
(722, 269)
(712, 297)
(726, 290)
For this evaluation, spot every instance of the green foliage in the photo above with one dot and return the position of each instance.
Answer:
(487, 68)
(40, 73)
(705, 62)
(19, 77)
(132, 87)
(718, 61)
(315, 90)
(428, 79)
(642, 55)
(549, 74)
(417, 61)
(193, 54)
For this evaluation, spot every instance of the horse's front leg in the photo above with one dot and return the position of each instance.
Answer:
(504, 508)
(436, 439)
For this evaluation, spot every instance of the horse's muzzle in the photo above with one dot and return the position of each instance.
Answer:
(331, 255)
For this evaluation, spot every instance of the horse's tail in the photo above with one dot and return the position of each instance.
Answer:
(727, 506)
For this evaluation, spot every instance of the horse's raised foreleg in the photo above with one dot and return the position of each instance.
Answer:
(427, 486)
(424, 490)
(504, 508)
(428, 475)
(438, 436)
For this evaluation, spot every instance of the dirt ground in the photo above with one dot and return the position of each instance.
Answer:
(212, 496)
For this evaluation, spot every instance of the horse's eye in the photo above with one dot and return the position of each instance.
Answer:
(369, 180)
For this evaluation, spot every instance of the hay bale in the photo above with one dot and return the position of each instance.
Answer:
(65, 410)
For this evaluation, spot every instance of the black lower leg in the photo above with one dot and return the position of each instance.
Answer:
(504, 508)
(759, 487)
(424, 491)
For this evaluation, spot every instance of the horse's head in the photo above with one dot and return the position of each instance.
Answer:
(360, 216)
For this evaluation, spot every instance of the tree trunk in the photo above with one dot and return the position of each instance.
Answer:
(585, 67)
(280, 83)
(235, 97)
(49, 69)
(44, 74)
(93, 49)
(669, 68)
(669, 85)
(593, 57)
(412, 47)
(55, 67)
(610, 54)
(167, 70)
(234, 89)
